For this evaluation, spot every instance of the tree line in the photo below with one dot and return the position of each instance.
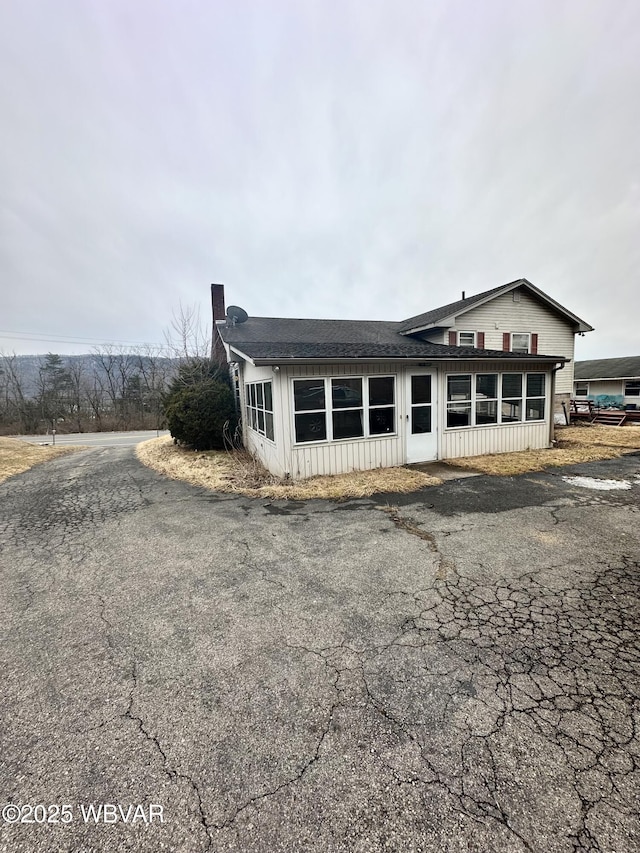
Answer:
(108, 389)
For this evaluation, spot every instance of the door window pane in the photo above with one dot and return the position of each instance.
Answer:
(420, 419)
(420, 389)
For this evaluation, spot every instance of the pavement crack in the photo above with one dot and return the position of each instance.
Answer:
(169, 771)
(287, 782)
(445, 566)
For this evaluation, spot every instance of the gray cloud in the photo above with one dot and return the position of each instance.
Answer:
(336, 159)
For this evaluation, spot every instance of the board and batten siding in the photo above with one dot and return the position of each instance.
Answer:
(503, 314)
(284, 459)
(338, 457)
(269, 452)
(501, 438)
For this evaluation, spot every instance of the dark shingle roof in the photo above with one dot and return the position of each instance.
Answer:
(431, 318)
(608, 368)
(274, 339)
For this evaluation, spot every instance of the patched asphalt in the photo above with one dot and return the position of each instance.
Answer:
(453, 670)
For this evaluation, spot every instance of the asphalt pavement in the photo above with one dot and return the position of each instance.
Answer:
(454, 670)
(94, 439)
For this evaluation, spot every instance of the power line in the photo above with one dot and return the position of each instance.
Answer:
(35, 337)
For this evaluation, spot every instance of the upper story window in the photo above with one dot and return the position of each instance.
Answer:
(520, 342)
(632, 388)
(466, 339)
(341, 408)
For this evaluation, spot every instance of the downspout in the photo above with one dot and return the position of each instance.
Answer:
(552, 424)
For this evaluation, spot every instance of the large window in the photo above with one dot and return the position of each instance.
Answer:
(486, 398)
(492, 398)
(534, 407)
(459, 400)
(333, 409)
(260, 408)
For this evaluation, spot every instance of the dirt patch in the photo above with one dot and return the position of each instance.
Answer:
(18, 456)
(240, 474)
(574, 445)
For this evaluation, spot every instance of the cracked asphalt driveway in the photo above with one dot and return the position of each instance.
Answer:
(455, 670)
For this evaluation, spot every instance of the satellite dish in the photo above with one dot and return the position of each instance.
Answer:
(236, 315)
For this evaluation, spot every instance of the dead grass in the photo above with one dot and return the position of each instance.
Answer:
(574, 445)
(18, 456)
(241, 474)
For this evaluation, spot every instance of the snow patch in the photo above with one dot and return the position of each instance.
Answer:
(594, 483)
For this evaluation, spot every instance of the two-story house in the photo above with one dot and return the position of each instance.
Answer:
(480, 375)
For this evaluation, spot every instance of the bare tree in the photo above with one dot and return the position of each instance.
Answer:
(21, 411)
(187, 337)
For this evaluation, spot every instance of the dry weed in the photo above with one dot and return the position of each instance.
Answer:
(574, 445)
(241, 473)
(18, 456)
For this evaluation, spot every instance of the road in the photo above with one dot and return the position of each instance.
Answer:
(95, 439)
(455, 670)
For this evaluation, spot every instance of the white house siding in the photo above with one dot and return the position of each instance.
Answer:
(501, 438)
(269, 452)
(600, 389)
(610, 387)
(283, 458)
(338, 457)
(502, 314)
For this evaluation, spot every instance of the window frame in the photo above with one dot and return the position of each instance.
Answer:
(467, 332)
(329, 410)
(635, 383)
(526, 351)
(581, 392)
(254, 410)
(475, 398)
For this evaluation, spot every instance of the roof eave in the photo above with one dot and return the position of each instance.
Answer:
(449, 320)
(242, 354)
(418, 359)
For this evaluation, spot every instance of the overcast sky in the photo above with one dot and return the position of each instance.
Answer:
(336, 158)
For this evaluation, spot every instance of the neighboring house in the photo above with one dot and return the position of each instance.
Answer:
(481, 375)
(608, 381)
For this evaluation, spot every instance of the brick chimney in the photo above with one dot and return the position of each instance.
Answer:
(219, 313)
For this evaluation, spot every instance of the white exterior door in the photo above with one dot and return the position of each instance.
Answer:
(421, 418)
